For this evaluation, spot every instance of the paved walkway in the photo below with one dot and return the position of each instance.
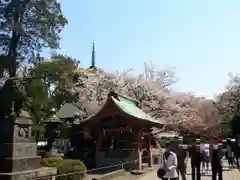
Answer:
(227, 175)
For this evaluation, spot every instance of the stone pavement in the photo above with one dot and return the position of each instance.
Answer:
(233, 174)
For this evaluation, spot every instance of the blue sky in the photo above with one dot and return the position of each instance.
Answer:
(199, 38)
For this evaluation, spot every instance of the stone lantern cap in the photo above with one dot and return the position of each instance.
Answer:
(53, 119)
(24, 118)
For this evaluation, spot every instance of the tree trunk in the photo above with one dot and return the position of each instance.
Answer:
(37, 135)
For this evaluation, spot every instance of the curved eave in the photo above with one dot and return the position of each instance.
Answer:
(94, 115)
(113, 102)
(129, 98)
(148, 120)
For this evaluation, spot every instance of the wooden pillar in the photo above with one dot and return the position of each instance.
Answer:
(99, 142)
(139, 157)
(150, 157)
(139, 151)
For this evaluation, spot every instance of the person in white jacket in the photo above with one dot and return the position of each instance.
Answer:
(205, 149)
(168, 162)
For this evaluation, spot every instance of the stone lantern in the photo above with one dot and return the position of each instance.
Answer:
(51, 132)
(18, 149)
(74, 121)
(74, 128)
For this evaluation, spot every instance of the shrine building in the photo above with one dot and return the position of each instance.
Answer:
(122, 131)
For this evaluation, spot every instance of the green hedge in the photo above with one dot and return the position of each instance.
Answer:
(65, 166)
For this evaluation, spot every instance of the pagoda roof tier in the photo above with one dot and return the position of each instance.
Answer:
(120, 105)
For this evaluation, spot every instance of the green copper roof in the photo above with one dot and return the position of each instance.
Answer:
(69, 110)
(129, 107)
(126, 100)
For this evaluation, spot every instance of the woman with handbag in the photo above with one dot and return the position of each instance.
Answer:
(168, 165)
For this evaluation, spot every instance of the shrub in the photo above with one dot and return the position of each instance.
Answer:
(52, 162)
(66, 166)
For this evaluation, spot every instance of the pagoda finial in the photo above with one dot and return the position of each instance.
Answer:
(93, 65)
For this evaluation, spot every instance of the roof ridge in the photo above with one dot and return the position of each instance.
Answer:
(70, 102)
(140, 114)
(124, 96)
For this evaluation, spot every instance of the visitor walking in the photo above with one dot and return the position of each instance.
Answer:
(216, 162)
(182, 156)
(168, 163)
(237, 150)
(205, 150)
(229, 153)
(196, 159)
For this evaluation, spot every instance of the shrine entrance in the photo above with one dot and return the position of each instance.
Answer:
(122, 132)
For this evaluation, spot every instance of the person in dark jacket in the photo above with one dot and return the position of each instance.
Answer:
(233, 143)
(196, 159)
(229, 153)
(181, 151)
(216, 162)
(236, 150)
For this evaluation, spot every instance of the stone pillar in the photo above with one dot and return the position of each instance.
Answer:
(150, 157)
(18, 150)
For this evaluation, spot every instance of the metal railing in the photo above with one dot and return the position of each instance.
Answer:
(79, 175)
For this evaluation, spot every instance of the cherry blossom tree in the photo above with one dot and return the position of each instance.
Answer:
(182, 113)
(229, 100)
(188, 112)
(152, 88)
(229, 105)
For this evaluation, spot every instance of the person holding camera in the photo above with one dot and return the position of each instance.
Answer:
(168, 164)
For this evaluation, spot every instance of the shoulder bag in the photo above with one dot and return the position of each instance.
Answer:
(161, 171)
